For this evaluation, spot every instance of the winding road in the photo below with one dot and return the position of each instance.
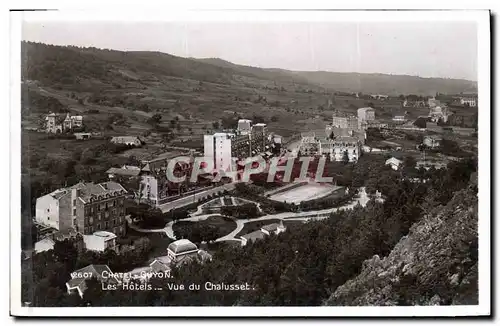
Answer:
(362, 199)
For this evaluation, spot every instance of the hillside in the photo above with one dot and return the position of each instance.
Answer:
(436, 263)
(200, 93)
(387, 84)
(393, 85)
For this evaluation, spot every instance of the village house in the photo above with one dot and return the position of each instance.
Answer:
(102, 273)
(266, 230)
(399, 117)
(179, 252)
(432, 102)
(127, 140)
(128, 171)
(379, 96)
(57, 123)
(274, 228)
(394, 163)
(432, 141)
(366, 114)
(85, 207)
(427, 165)
(252, 237)
(346, 145)
(345, 142)
(342, 120)
(155, 189)
(82, 135)
(414, 104)
(378, 197)
(44, 245)
(100, 241)
(468, 101)
(437, 113)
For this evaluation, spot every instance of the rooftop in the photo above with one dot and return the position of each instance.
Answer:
(105, 234)
(88, 191)
(393, 160)
(254, 235)
(158, 266)
(182, 246)
(272, 227)
(122, 171)
(347, 139)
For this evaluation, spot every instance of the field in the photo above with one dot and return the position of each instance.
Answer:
(305, 193)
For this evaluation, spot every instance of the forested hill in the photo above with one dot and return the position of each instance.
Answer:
(388, 84)
(436, 263)
(357, 82)
(77, 68)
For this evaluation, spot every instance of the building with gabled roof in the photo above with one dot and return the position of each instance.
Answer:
(44, 245)
(394, 163)
(252, 237)
(78, 280)
(124, 171)
(127, 140)
(273, 228)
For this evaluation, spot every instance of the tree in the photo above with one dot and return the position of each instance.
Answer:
(155, 119)
(345, 157)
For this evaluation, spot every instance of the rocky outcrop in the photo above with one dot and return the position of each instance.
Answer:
(435, 264)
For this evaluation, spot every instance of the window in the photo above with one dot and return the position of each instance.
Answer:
(74, 211)
(98, 226)
(114, 202)
(74, 202)
(106, 225)
(106, 206)
(85, 230)
(48, 210)
(98, 208)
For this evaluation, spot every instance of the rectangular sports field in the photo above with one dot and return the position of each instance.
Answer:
(306, 192)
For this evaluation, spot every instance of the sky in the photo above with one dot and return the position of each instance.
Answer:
(444, 49)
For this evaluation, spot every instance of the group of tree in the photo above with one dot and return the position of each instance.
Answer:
(34, 102)
(244, 211)
(147, 217)
(44, 275)
(155, 119)
(196, 232)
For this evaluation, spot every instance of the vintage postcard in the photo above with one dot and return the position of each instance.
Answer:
(250, 163)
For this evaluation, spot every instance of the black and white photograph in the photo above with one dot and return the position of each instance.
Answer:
(250, 163)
